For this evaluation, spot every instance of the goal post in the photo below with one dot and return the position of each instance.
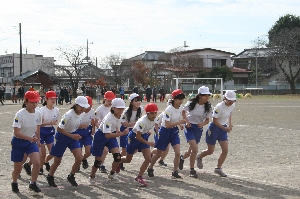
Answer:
(221, 80)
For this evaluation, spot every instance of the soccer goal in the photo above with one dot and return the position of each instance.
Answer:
(219, 85)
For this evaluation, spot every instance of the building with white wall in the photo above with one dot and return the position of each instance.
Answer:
(10, 65)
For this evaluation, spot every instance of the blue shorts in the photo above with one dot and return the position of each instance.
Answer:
(166, 136)
(20, 147)
(133, 144)
(100, 141)
(214, 133)
(86, 136)
(47, 135)
(62, 143)
(193, 133)
(123, 138)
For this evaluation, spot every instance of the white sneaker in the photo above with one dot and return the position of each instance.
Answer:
(113, 178)
(92, 180)
(220, 172)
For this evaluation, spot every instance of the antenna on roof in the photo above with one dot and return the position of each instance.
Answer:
(184, 45)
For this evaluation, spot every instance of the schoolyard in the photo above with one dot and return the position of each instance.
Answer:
(263, 160)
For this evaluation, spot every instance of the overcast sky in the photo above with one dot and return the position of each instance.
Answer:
(130, 27)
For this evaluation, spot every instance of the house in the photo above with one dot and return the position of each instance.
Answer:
(10, 66)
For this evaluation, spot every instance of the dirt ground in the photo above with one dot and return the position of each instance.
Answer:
(263, 160)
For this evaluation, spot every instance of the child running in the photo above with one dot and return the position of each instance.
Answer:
(169, 132)
(86, 129)
(50, 115)
(100, 113)
(218, 129)
(138, 140)
(26, 136)
(129, 118)
(66, 137)
(106, 137)
(198, 111)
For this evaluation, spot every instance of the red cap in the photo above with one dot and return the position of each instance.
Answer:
(90, 100)
(150, 108)
(51, 94)
(32, 96)
(176, 92)
(109, 95)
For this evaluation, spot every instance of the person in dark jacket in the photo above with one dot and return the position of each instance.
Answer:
(148, 93)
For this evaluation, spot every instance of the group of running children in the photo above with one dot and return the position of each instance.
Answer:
(33, 131)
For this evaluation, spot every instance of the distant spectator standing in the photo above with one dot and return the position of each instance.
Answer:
(70, 94)
(50, 88)
(162, 94)
(67, 95)
(98, 94)
(31, 88)
(42, 93)
(148, 93)
(21, 93)
(83, 88)
(61, 96)
(122, 90)
(4, 90)
(1, 95)
(154, 91)
(13, 94)
(57, 91)
(79, 91)
(103, 91)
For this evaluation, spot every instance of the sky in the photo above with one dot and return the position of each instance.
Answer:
(131, 27)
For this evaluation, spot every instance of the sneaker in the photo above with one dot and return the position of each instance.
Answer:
(50, 180)
(92, 180)
(34, 187)
(14, 187)
(41, 172)
(150, 172)
(199, 163)
(85, 164)
(71, 179)
(193, 174)
(181, 162)
(118, 169)
(175, 175)
(141, 181)
(47, 166)
(27, 168)
(113, 178)
(162, 163)
(102, 169)
(122, 167)
(220, 172)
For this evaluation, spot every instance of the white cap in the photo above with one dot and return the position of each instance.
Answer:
(230, 95)
(118, 103)
(132, 96)
(82, 101)
(204, 90)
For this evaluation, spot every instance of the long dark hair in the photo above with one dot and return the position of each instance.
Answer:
(129, 112)
(194, 101)
(180, 96)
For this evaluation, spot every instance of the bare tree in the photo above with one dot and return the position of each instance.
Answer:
(114, 71)
(286, 54)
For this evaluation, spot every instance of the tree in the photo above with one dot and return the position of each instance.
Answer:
(73, 57)
(285, 22)
(114, 71)
(286, 55)
(140, 73)
(216, 72)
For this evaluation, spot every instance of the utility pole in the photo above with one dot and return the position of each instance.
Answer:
(20, 48)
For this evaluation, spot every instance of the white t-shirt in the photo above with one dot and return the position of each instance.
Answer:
(88, 117)
(27, 122)
(49, 115)
(171, 114)
(222, 112)
(198, 114)
(70, 121)
(101, 112)
(110, 123)
(158, 119)
(133, 116)
(143, 125)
